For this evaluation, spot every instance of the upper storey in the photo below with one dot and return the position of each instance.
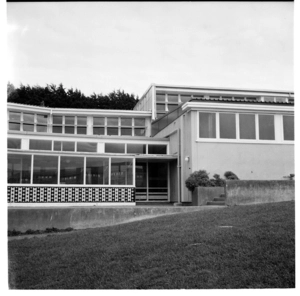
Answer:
(161, 99)
(90, 122)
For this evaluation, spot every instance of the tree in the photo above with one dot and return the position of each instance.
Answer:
(59, 97)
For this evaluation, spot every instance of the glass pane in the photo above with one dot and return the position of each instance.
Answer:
(28, 127)
(139, 122)
(40, 145)
(266, 127)
(69, 129)
(18, 169)
(112, 131)
(14, 116)
(207, 127)
(139, 132)
(158, 174)
(112, 121)
(69, 119)
(136, 148)
(57, 146)
(141, 174)
(126, 122)
(114, 148)
(42, 118)
(57, 129)
(86, 147)
(81, 120)
(121, 171)
(45, 169)
(227, 126)
(184, 99)
(126, 131)
(28, 117)
(71, 170)
(173, 98)
(247, 126)
(57, 119)
(157, 149)
(98, 121)
(68, 146)
(41, 128)
(280, 99)
(13, 143)
(14, 126)
(160, 97)
(96, 170)
(288, 128)
(98, 131)
(81, 130)
(269, 99)
(160, 107)
(172, 107)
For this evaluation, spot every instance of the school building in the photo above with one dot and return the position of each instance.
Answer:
(59, 156)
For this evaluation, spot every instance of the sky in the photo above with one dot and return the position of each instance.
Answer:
(99, 47)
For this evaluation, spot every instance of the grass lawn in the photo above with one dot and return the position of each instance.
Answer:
(180, 251)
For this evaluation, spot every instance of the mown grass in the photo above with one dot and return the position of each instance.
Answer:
(181, 251)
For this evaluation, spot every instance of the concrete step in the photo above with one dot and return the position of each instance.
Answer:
(219, 199)
(154, 203)
(216, 203)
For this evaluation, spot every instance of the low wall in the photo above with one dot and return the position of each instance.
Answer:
(253, 192)
(22, 219)
(201, 195)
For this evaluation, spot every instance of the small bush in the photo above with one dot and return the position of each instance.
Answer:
(230, 176)
(201, 179)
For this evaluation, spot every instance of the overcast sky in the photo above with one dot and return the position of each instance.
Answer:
(99, 47)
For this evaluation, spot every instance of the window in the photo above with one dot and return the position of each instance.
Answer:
(45, 169)
(18, 168)
(266, 127)
(157, 149)
(173, 98)
(64, 146)
(71, 170)
(114, 148)
(40, 145)
(121, 171)
(97, 170)
(31, 122)
(247, 126)
(136, 148)
(69, 124)
(86, 147)
(207, 127)
(227, 126)
(98, 125)
(13, 143)
(288, 128)
(14, 121)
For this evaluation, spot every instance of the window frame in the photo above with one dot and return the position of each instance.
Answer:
(278, 128)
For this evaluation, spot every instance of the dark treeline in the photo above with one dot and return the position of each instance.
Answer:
(59, 97)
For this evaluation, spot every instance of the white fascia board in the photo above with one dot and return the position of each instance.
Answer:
(83, 138)
(224, 91)
(237, 107)
(65, 111)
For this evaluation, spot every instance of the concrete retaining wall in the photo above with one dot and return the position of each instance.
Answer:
(201, 195)
(253, 192)
(22, 219)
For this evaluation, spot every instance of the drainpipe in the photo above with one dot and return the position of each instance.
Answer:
(179, 165)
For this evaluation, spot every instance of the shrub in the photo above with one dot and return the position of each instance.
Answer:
(219, 181)
(201, 179)
(230, 176)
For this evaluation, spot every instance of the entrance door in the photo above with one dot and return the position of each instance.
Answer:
(152, 181)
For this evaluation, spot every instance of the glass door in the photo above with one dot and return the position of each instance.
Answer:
(151, 181)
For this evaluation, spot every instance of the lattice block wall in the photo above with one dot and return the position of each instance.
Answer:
(31, 194)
